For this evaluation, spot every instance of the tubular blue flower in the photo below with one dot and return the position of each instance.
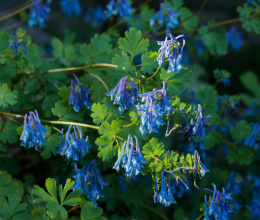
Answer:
(119, 7)
(206, 209)
(16, 42)
(219, 207)
(172, 50)
(33, 132)
(234, 183)
(79, 95)
(71, 7)
(90, 182)
(182, 188)
(156, 104)
(124, 94)
(203, 169)
(165, 16)
(38, 13)
(132, 163)
(224, 77)
(95, 15)
(250, 141)
(234, 38)
(74, 146)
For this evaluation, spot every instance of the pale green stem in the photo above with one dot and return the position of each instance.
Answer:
(154, 73)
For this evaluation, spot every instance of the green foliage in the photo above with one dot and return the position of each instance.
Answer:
(240, 131)
(8, 132)
(188, 20)
(54, 203)
(100, 113)
(88, 212)
(148, 63)
(242, 155)
(7, 97)
(39, 213)
(52, 144)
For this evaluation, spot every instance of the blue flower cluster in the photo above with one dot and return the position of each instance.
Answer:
(219, 207)
(224, 77)
(33, 132)
(132, 163)
(165, 196)
(156, 104)
(70, 7)
(16, 42)
(250, 141)
(203, 169)
(89, 181)
(119, 7)
(124, 94)
(165, 16)
(172, 50)
(38, 13)
(74, 146)
(255, 203)
(234, 38)
(95, 15)
(79, 95)
(197, 129)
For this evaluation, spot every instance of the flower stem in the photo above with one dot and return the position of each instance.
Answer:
(91, 74)
(154, 73)
(179, 168)
(54, 122)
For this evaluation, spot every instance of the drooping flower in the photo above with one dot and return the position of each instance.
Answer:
(250, 141)
(172, 50)
(124, 94)
(234, 38)
(165, 196)
(79, 95)
(38, 13)
(234, 183)
(219, 207)
(152, 111)
(132, 163)
(119, 7)
(206, 209)
(223, 76)
(95, 15)
(182, 188)
(165, 16)
(33, 132)
(16, 41)
(74, 146)
(202, 168)
(71, 7)
(90, 182)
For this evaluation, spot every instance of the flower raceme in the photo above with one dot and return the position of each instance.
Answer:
(33, 132)
(38, 13)
(124, 94)
(16, 41)
(119, 7)
(79, 95)
(250, 141)
(74, 146)
(132, 163)
(90, 182)
(172, 50)
(156, 104)
(71, 7)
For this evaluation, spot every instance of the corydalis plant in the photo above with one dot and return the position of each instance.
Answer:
(119, 7)
(132, 163)
(89, 181)
(71, 7)
(156, 104)
(33, 132)
(171, 50)
(124, 94)
(74, 146)
(79, 95)
(16, 41)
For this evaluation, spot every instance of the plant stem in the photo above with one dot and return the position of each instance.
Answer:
(125, 126)
(179, 168)
(162, 216)
(154, 73)
(200, 216)
(54, 122)
(91, 74)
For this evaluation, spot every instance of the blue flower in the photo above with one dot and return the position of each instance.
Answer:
(203, 169)
(156, 104)
(234, 38)
(89, 182)
(165, 16)
(165, 196)
(224, 77)
(254, 206)
(172, 50)
(74, 146)
(16, 42)
(38, 13)
(254, 108)
(132, 163)
(182, 188)
(124, 94)
(206, 209)
(250, 141)
(70, 7)
(200, 47)
(33, 132)
(95, 15)
(234, 183)
(219, 207)
(79, 95)
(119, 7)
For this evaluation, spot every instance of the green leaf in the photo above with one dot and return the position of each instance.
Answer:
(123, 62)
(100, 113)
(100, 44)
(34, 55)
(148, 63)
(8, 133)
(188, 21)
(39, 213)
(88, 212)
(175, 82)
(57, 47)
(86, 51)
(240, 131)
(242, 155)
(106, 149)
(52, 144)
(7, 97)
(108, 131)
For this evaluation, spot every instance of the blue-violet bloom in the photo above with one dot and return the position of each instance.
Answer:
(16, 42)
(74, 146)
(33, 132)
(234, 38)
(119, 7)
(250, 141)
(71, 7)
(203, 169)
(79, 95)
(95, 16)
